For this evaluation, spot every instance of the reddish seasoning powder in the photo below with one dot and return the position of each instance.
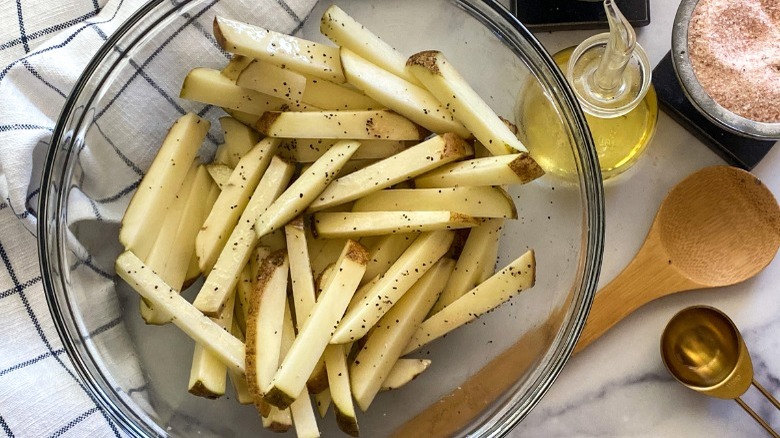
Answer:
(734, 47)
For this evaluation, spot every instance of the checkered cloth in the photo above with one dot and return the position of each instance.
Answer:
(44, 45)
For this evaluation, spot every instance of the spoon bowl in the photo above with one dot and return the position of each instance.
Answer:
(702, 348)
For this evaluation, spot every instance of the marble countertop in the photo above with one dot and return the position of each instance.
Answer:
(618, 386)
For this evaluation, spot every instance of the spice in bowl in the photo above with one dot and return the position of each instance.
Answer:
(734, 48)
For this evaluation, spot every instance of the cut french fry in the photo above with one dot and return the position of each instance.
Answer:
(346, 32)
(243, 293)
(223, 277)
(239, 139)
(477, 258)
(241, 387)
(273, 80)
(340, 392)
(403, 372)
(426, 250)
(301, 410)
(144, 215)
(316, 332)
(197, 326)
(411, 101)
(221, 155)
(280, 420)
(246, 118)
(220, 173)
(305, 189)
(209, 86)
(374, 223)
(323, 400)
(416, 160)
(329, 96)
(208, 376)
(193, 271)
(359, 125)
(235, 66)
(174, 243)
(300, 270)
(274, 240)
(231, 203)
(393, 331)
(484, 201)
(496, 290)
(264, 326)
(303, 56)
(325, 253)
(490, 171)
(309, 150)
(384, 252)
(440, 78)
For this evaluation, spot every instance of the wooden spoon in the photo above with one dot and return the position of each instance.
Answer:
(717, 227)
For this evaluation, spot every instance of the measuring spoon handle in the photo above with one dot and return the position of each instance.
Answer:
(756, 417)
(766, 394)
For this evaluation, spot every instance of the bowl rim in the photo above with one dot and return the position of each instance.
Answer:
(696, 94)
(51, 253)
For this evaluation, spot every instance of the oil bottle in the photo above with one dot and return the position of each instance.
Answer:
(610, 75)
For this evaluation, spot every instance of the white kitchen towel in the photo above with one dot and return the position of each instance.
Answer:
(44, 46)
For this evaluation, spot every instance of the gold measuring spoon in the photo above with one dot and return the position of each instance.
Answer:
(717, 227)
(702, 348)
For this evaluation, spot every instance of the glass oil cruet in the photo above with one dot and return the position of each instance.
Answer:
(610, 75)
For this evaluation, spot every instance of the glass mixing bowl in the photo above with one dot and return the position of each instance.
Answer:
(490, 373)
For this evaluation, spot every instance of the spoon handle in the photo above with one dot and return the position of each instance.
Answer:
(650, 275)
(766, 394)
(757, 418)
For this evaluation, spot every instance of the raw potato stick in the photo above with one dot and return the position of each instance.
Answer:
(316, 332)
(220, 173)
(231, 203)
(496, 290)
(209, 86)
(235, 66)
(327, 95)
(323, 400)
(416, 160)
(490, 171)
(143, 217)
(403, 372)
(196, 325)
(208, 376)
(305, 189)
(374, 223)
(223, 277)
(303, 56)
(411, 101)
(485, 201)
(273, 80)
(384, 252)
(346, 32)
(340, 391)
(303, 150)
(264, 325)
(477, 259)
(243, 395)
(300, 270)
(413, 264)
(384, 345)
(359, 125)
(440, 78)
(281, 420)
(239, 139)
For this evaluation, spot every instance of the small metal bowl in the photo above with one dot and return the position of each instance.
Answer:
(696, 93)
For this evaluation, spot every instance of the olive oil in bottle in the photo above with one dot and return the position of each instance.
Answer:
(610, 75)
